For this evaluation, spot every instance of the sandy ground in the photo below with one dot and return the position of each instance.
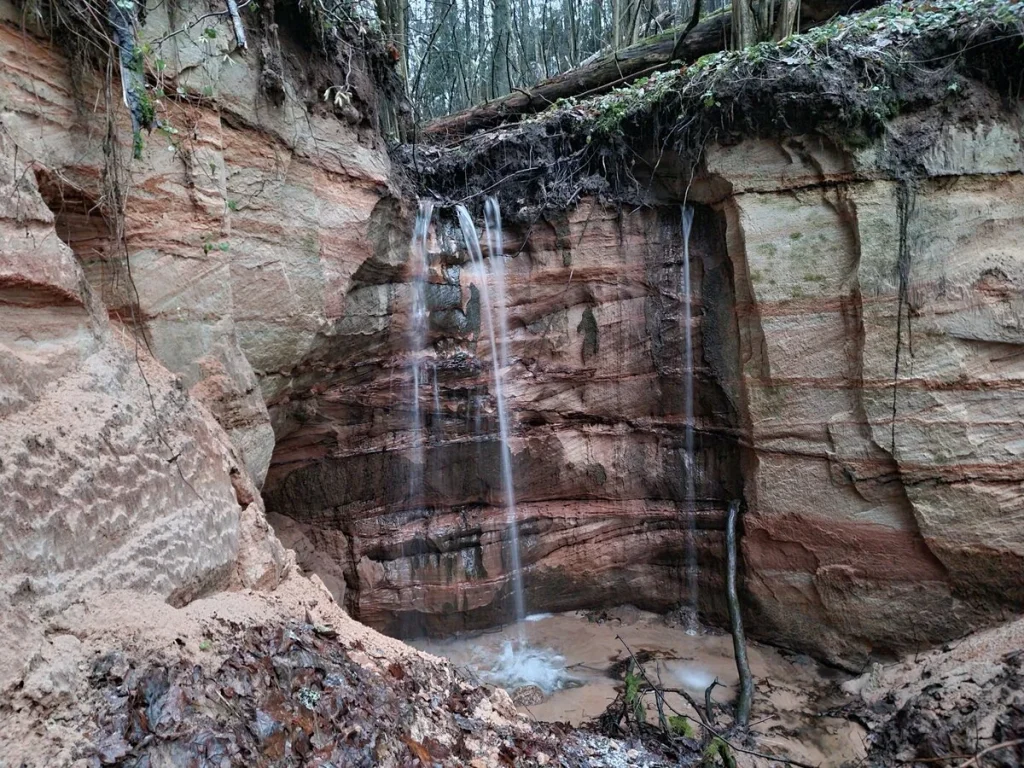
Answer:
(791, 691)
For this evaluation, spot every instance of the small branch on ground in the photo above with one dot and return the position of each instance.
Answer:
(708, 706)
(976, 760)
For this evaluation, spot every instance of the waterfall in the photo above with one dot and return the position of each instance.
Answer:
(498, 361)
(496, 249)
(418, 342)
(689, 463)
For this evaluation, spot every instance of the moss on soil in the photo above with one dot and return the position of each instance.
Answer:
(846, 80)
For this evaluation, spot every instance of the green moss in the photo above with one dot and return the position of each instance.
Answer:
(796, 235)
(681, 726)
(634, 698)
(717, 751)
(878, 36)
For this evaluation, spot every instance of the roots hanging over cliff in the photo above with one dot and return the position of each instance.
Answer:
(619, 67)
(847, 80)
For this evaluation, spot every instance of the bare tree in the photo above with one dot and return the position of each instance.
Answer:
(501, 79)
(458, 53)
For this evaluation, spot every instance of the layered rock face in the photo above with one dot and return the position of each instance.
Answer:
(882, 369)
(246, 317)
(857, 386)
(111, 475)
(144, 301)
(595, 389)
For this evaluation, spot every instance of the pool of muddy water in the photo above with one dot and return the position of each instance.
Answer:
(568, 667)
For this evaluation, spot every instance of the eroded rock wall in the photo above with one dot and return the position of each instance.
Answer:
(151, 307)
(880, 322)
(595, 389)
(246, 317)
(880, 497)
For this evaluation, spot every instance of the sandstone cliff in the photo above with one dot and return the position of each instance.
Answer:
(150, 309)
(857, 275)
(229, 313)
(147, 301)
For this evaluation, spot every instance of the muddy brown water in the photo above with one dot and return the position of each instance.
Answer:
(579, 658)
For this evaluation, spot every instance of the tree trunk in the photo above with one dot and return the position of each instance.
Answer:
(744, 24)
(739, 641)
(502, 27)
(570, 12)
(785, 22)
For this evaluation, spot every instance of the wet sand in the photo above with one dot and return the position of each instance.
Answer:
(572, 655)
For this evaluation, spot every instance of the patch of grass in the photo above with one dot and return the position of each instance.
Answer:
(634, 699)
(681, 726)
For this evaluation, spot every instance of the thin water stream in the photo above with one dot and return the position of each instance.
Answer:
(689, 462)
(437, 421)
(489, 313)
(418, 343)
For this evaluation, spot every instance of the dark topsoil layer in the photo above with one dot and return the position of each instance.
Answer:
(942, 62)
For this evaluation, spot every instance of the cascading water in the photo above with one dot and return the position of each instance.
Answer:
(496, 249)
(418, 342)
(689, 463)
(498, 359)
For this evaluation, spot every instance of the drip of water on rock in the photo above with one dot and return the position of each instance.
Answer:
(438, 422)
(689, 464)
(418, 343)
(491, 316)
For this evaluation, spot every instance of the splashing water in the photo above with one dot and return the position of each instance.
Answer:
(518, 665)
(689, 465)
(418, 342)
(498, 358)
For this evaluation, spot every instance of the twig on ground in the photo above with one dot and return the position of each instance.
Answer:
(976, 760)
(703, 720)
(660, 692)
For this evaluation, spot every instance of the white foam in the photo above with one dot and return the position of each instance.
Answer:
(518, 665)
(538, 616)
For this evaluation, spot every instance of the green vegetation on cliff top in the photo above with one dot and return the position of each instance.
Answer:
(881, 40)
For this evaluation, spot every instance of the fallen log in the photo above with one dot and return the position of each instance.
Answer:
(621, 67)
